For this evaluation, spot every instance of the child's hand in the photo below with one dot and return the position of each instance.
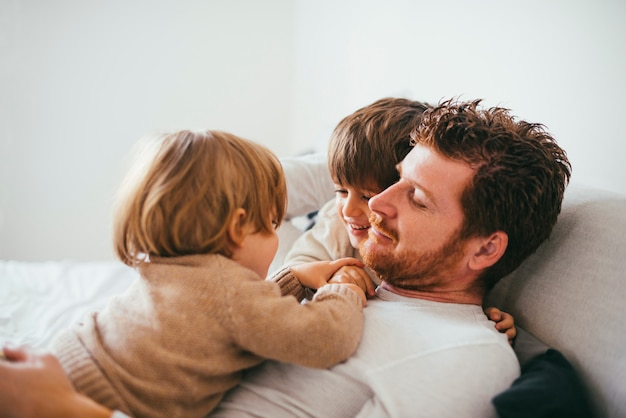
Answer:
(356, 275)
(317, 273)
(504, 322)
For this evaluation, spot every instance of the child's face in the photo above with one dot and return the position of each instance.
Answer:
(351, 203)
(258, 251)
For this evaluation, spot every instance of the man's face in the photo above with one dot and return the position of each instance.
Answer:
(413, 242)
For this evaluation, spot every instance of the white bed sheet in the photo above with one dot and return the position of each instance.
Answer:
(37, 300)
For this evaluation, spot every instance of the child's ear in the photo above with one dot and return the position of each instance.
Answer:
(489, 250)
(236, 227)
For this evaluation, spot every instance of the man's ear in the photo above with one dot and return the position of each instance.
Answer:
(489, 250)
(236, 227)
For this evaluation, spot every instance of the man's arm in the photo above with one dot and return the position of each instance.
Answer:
(33, 384)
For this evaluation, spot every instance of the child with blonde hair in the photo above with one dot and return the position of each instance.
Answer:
(197, 217)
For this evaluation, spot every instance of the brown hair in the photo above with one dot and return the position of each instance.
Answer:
(366, 145)
(185, 186)
(520, 175)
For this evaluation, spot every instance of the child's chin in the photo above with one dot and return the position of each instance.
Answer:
(357, 241)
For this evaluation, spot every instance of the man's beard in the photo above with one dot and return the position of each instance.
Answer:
(411, 270)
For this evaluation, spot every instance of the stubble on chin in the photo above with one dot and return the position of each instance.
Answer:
(376, 257)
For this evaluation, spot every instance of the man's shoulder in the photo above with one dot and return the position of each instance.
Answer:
(429, 328)
(425, 350)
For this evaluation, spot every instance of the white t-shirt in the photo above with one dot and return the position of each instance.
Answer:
(417, 358)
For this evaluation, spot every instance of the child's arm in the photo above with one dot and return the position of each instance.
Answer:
(316, 274)
(317, 334)
(505, 322)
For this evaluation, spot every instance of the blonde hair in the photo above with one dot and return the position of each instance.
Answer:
(184, 188)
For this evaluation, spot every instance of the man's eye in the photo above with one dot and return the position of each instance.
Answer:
(417, 201)
(418, 204)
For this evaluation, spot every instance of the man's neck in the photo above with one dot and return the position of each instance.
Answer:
(463, 297)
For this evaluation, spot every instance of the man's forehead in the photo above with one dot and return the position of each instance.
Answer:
(433, 172)
(419, 158)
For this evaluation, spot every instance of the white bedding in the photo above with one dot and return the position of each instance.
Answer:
(37, 300)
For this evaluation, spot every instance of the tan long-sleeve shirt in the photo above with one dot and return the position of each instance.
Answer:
(181, 335)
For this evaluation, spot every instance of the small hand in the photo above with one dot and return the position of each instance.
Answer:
(505, 322)
(315, 274)
(356, 275)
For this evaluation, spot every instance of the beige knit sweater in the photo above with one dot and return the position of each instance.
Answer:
(180, 336)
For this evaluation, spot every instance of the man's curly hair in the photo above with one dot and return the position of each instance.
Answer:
(520, 175)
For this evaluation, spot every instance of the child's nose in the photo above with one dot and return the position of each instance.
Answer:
(352, 207)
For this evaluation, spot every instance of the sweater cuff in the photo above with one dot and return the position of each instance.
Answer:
(332, 289)
(288, 283)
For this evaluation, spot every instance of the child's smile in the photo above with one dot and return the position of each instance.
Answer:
(351, 203)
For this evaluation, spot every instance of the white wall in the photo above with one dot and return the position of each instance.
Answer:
(80, 81)
(558, 62)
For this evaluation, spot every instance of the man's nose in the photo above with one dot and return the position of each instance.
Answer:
(383, 202)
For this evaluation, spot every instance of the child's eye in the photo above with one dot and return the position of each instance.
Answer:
(341, 192)
(369, 193)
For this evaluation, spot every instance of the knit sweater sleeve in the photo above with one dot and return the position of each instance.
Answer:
(288, 283)
(319, 334)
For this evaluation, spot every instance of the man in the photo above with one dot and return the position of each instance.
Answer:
(478, 194)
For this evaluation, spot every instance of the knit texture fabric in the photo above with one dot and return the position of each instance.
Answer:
(182, 334)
